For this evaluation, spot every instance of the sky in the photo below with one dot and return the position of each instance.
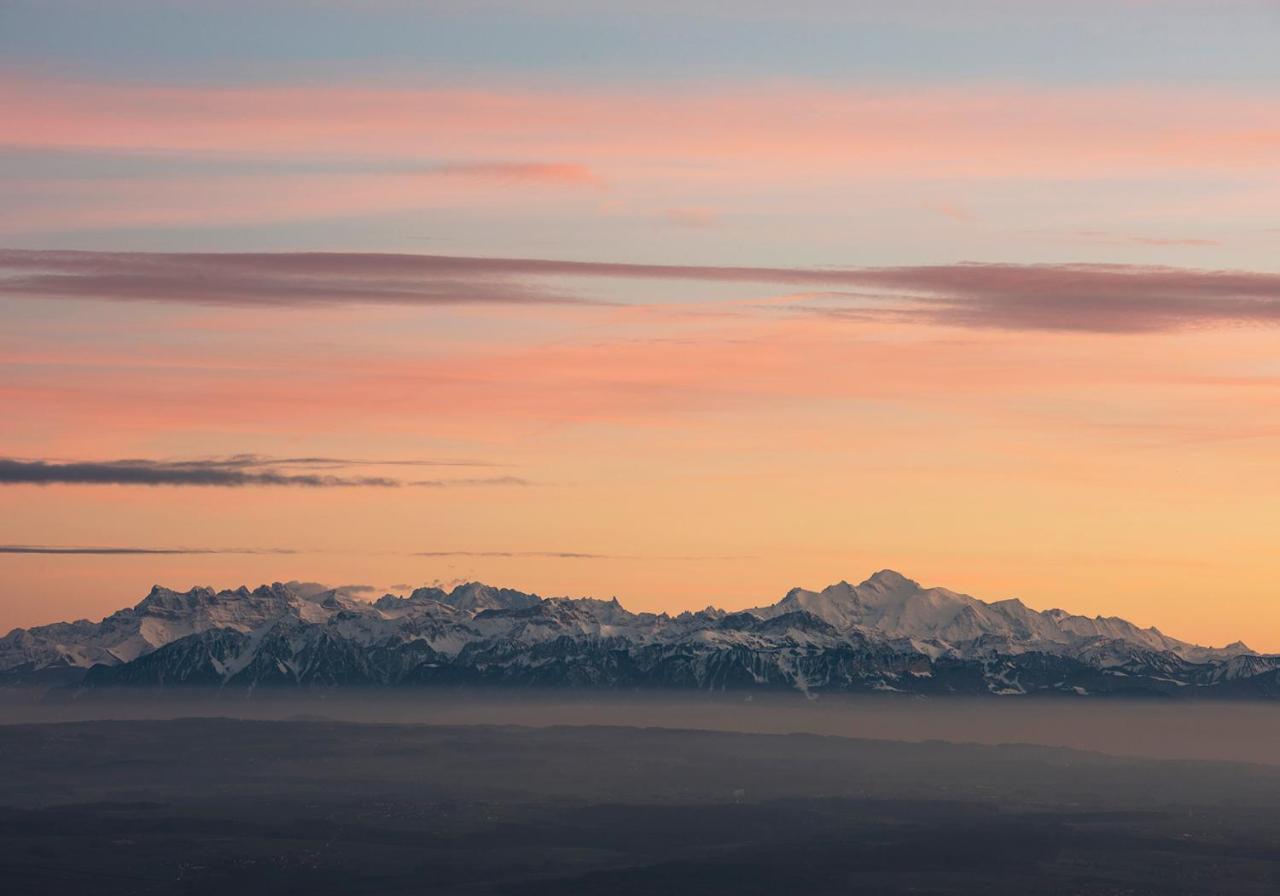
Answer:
(684, 303)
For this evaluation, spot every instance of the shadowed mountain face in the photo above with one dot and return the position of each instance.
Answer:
(887, 633)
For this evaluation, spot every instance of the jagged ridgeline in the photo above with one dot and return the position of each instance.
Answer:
(885, 634)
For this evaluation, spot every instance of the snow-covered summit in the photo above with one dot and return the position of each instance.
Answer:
(887, 632)
(891, 606)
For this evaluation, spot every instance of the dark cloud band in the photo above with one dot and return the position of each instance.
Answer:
(233, 472)
(148, 472)
(129, 551)
(1083, 297)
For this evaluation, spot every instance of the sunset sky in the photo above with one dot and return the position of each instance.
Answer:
(687, 303)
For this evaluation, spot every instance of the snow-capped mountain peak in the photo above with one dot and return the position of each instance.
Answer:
(887, 632)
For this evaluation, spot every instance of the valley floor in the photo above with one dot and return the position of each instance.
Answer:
(221, 805)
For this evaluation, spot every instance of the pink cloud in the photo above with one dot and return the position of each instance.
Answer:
(49, 205)
(521, 172)
(659, 376)
(666, 155)
(773, 131)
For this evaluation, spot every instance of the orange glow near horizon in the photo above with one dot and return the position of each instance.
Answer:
(699, 461)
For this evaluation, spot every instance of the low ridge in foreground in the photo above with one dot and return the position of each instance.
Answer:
(886, 634)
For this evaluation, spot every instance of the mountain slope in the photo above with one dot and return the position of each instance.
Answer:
(891, 606)
(886, 633)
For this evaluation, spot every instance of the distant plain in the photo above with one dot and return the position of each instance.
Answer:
(469, 805)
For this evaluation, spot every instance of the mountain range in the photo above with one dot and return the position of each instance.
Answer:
(887, 633)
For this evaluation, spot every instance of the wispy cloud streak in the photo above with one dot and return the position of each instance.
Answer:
(1081, 297)
(521, 172)
(987, 130)
(559, 555)
(277, 280)
(483, 480)
(258, 460)
(128, 551)
(234, 472)
(152, 472)
(563, 555)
